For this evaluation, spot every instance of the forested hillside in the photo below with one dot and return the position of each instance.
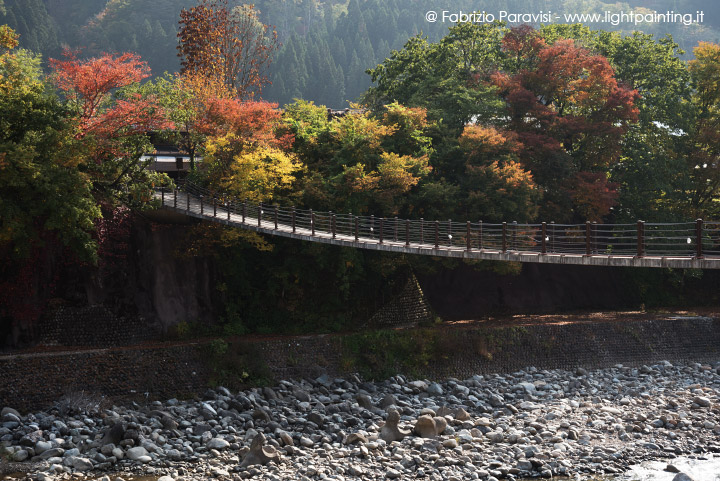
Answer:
(326, 46)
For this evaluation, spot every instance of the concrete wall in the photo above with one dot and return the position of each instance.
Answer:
(35, 381)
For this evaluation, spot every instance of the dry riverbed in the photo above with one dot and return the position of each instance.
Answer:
(527, 424)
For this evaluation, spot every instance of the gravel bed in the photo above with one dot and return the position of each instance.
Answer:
(532, 423)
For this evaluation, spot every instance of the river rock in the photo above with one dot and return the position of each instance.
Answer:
(114, 434)
(354, 438)
(682, 477)
(217, 443)
(81, 464)
(387, 401)
(136, 453)
(434, 389)
(425, 426)
(20, 455)
(41, 447)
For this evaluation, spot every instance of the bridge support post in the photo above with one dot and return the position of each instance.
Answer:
(395, 236)
(174, 198)
(333, 225)
(543, 242)
(480, 235)
(552, 236)
(292, 219)
(372, 225)
(312, 223)
(214, 207)
(468, 239)
(640, 238)
(187, 198)
(407, 233)
(422, 230)
(450, 240)
(227, 207)
(357, 229)
(260, 213)
(698, 239)
(504, 236)
(514, 236)
(276, 216)
(381, 230)
(594, 232)
(201, 205)
(588, 234)
(244, 210)
(437, 234)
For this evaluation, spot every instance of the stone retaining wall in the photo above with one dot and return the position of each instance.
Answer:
(35, 381)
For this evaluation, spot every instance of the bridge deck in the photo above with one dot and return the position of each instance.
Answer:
(190, 205)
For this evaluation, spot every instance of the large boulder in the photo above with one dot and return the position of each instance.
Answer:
(425, 426)
(682, 477)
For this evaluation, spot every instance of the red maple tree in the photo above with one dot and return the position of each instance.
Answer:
(569, 113)
(90, 84)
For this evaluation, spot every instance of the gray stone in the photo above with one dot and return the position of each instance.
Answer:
(200, 429)
(11, 418)
(136, 453)
(391, 473)
(364, 401)
(316, 418)
(217, 443)
(702, 401)
(41, 447)
(261, 414)
(418, 385)
(166, 478)
(9, 410)
(524, 465)
(434, 389)
(81, 464)
(682, 477)
(301, 395)
(114, 434)
(207, 411)
(20, 455)
(388, 401)
(52, 453)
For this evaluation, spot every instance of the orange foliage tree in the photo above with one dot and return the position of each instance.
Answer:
(112, 122)
(229, 44)
(569, 113)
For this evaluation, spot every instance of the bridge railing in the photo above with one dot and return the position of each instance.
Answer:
(686, 239)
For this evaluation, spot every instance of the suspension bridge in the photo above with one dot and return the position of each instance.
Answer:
(671, 245)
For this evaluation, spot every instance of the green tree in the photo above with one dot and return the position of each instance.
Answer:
(42, 189)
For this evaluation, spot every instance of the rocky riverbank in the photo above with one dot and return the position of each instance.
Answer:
(532, 423)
